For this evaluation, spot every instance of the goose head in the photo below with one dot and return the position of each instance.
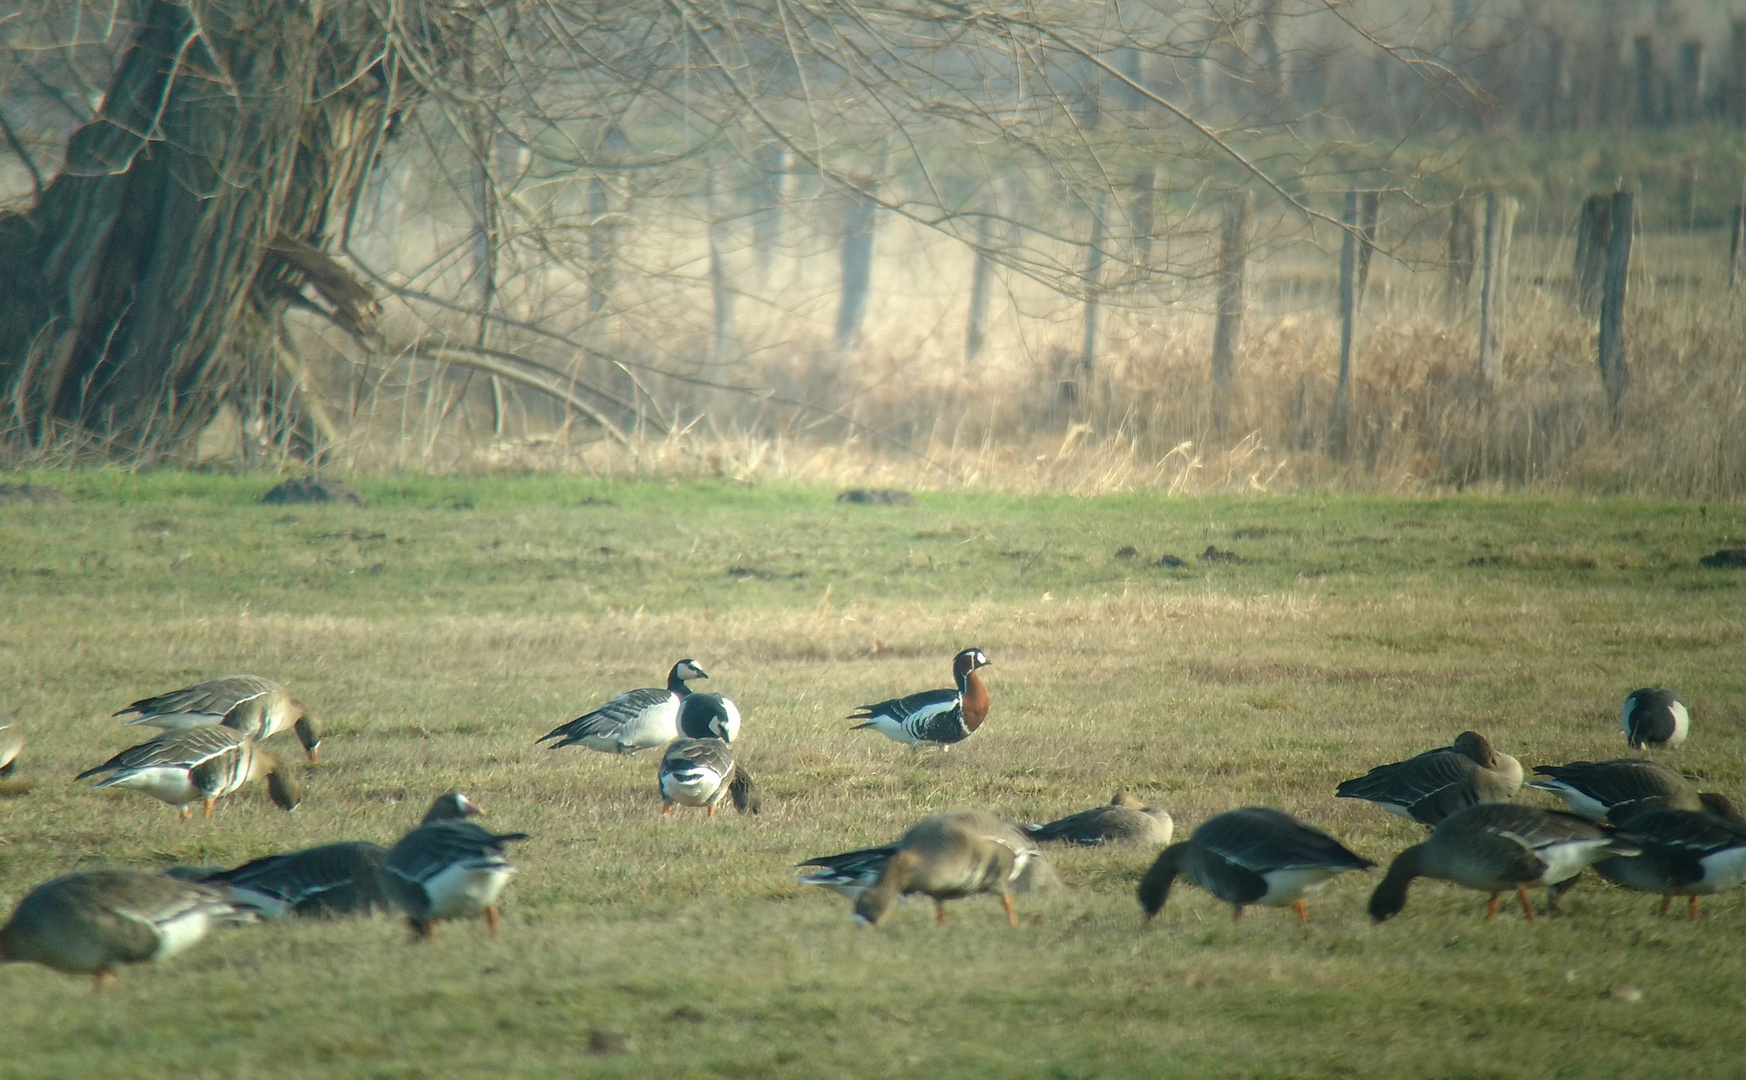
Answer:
(308, 730)
(686, 670)
(451, 806)
(284, 785)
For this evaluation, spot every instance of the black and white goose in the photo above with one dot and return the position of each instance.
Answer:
(1430, 786)
(942, 717)
(1655, 719)
(330, 881)
(1125, 820)
(1256, 855)
(250, 704)
(198, 764)
(1684, 853)
(851, 873)
(1595, 789)
(93, 922)
(1497, 848)
(448, 869)
(632, 721)
(709, 716)
(703, 772)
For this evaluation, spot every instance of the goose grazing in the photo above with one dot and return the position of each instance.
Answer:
(1496, 848)
(703, 772)
(1685, 853)
(944, 858)
(248, 703)
(1256, 855)
(198, 764)
(448, 868)
(1654, 719)
(853, 872)
(632, 721)
(93, 922)
(942, 717)
(330, 881)
(1125, 820)
(1430, 786)
(11, 742)
(1596, 789)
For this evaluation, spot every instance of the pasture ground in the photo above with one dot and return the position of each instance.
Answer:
(441, 629)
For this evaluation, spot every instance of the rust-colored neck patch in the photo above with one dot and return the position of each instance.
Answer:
(975, 701)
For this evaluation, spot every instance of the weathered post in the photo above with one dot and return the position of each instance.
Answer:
(979, 277)
(1070, 389)
(1500, 221)
(1643, 49)
(1736, 230)
(1369, 208)
(1348, 272)
(1141, 215)
(1687, 105)
(860, 215)
(1228, 330)
(1462, 249)
(1594, 230)
(1614, 377)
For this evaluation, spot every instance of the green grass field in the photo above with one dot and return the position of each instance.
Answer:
(444, 627)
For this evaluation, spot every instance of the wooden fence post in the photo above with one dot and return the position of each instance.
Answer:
(1462, 256)
(1736, 228)
(1614, 377)
(1594, 230)
(1369, 208)
(1228, 331)
(1348, 272)
(1500, 221)
(979, 276)
(860, 216)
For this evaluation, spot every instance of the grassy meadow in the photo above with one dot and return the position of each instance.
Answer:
(441, 629)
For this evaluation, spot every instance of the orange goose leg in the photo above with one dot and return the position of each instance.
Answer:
(1692, 906)
(1666, 902)
(709, 811)
(1011, 915)
(1491, 908)
(423, 931)
(1527, 904)
(491, 918)
(102, 980)
(183, 813)
(1301, 906)
(939, 913)
(1236, 914)
(209, 801)
(666, 810)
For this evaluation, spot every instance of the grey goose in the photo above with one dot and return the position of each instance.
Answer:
(329, 881)
(448, 868)
(1496, 848)
(11, 742)
(1256, 855)
(1594, 789)
(1684, 853)
(251, 704)
(93, 922)
(198, 764)
(943, 857)
(851, 873)
(1125, 820)
(937, 717)
(1655, 719)
(633, 721)
(1430, 786)
(703, 772)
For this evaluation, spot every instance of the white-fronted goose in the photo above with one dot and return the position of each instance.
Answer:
(945, 859)
(1496, 848)
(451, 806)
(633, 721)
(1684, 853)
(942, 717)
(198, 764)
(1594, 789)
(703, 772)
(851, 873)
(11, 742)
(448, 869)
(330, 881)
(91, 923)
(248, 703)
(1256, 855)
(1655, 719)
(1430, 786)
(709, 716)
(1125, 820)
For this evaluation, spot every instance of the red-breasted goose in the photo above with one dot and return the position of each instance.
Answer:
(1684, 853)
(633, 721)
(703, 772)
(248, 703)
(1256, 855)
(942, 717)
(943, 858)
(1594, 789)
(1430, 786)
(448, 869)
(92, 923)
(330, 881)
(1125, 820)
(11, 742)
(1655, 719)
(1496, 848)
(198, 764)
(851, 873)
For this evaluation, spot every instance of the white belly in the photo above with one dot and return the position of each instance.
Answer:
(1566, 860)
(1581, 805)
(691, 787)
(180, 932)
(1289, 886)
(467, 889)
(1724, 869)
(169, 783)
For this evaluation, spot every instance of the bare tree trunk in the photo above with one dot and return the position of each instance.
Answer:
(1500, 223)
(1337, 419)
(1228, 330)
(1614, 376)
(980, 274)
(860, 217)
(150, 280)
